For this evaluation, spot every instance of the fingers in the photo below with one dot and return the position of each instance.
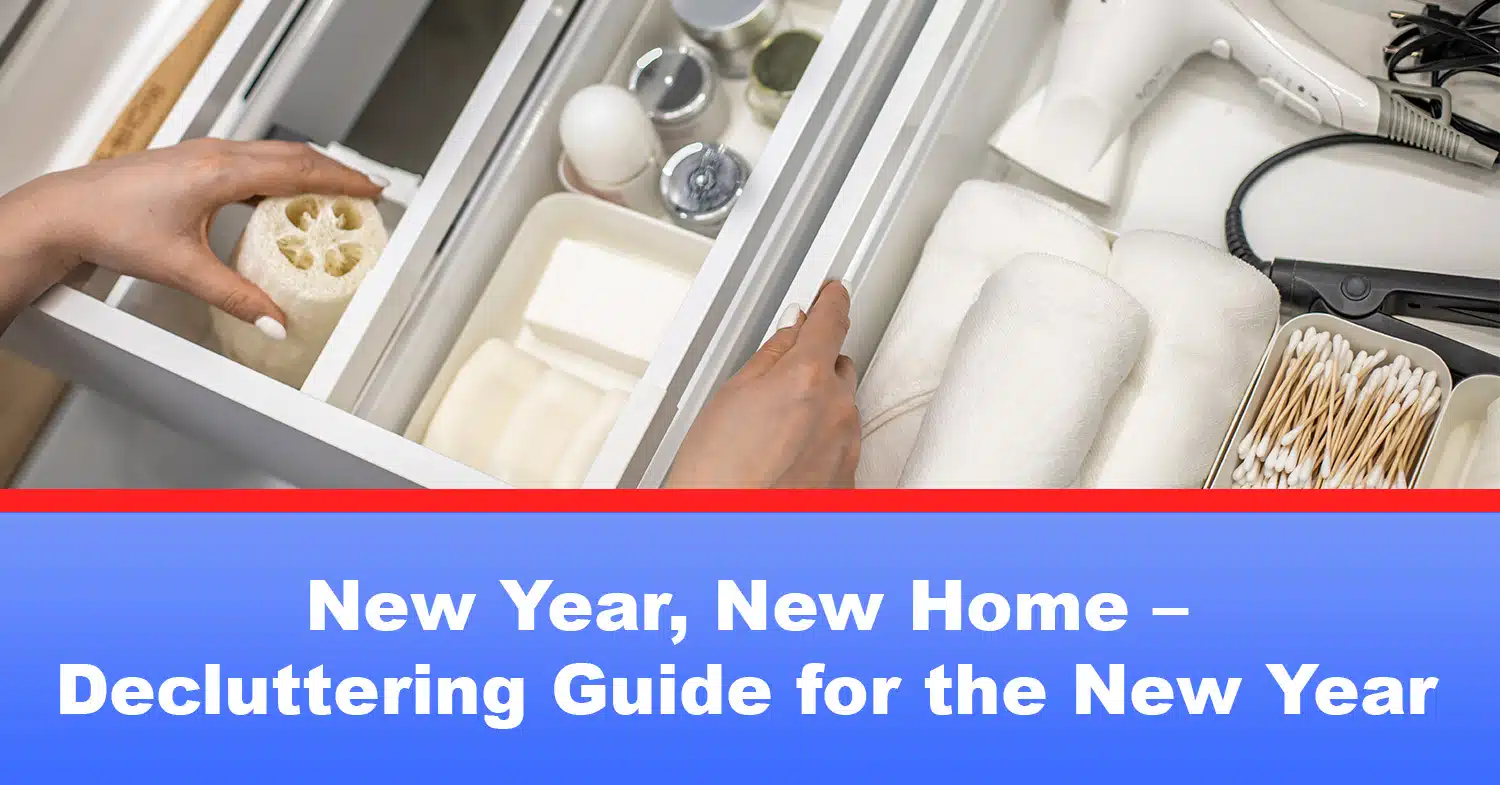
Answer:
(257, 169)
(843, 368)
(822, 337)
(777, 347)
(210, 280)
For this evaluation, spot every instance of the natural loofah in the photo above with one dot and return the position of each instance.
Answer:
(310, 254)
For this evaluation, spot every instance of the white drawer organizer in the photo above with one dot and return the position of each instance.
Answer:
(310, 65)
(976, 61)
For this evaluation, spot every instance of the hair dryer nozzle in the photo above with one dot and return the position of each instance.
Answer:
(1061, 144)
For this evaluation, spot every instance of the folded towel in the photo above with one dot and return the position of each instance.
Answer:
(1484, 471)
(1212, 317)
(529, 425)
(310, 254)
(1037, 362)
(984, 227)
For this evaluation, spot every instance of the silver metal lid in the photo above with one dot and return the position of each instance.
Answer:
(676, 86)
(701, 184)
(728, 24)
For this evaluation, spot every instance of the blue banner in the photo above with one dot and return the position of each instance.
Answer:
(742, 647)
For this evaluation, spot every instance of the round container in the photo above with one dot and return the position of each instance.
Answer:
(681, 94)
(731, 29)
(776, 71)
(701, 184)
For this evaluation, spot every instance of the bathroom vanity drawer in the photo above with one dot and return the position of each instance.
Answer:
(342, 428)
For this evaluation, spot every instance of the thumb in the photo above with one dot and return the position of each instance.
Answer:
(205, 277)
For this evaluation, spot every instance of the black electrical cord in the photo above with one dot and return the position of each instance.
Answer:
(1436, 43)
(1234, 220)
(1442, 46)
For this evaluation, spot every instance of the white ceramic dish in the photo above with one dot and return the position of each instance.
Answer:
(1456, 434)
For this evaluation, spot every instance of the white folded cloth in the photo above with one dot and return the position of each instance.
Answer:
(1484, 470)
(985, 226)
(1211, 319)
(513, 417)
(1037, 362)
(310, 254)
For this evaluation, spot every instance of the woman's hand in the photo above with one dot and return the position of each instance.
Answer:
(148, 216)
(787, 420)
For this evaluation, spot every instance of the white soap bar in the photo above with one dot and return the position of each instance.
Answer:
(526, 424)
(605, 304)
(310, 254)
(480, 401)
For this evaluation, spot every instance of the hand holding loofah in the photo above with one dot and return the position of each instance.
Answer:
(310, 254)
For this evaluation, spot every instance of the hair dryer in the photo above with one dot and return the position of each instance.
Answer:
(1116, 56)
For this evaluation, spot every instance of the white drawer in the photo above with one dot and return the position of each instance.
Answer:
(341, 428)
(976, 61)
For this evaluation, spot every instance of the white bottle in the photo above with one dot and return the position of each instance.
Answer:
(613, 147)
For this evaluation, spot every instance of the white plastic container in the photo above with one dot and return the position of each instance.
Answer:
(502, 309)
(1360, 339)
(1453, 439)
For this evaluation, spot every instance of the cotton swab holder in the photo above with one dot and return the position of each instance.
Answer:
(1335, 398)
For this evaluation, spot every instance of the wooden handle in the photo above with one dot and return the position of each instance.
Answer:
(29, 394)
(148, 110)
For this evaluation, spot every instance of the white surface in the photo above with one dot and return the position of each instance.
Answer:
(1038, 360)
(595, 300)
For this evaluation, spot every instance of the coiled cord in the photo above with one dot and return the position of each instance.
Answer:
(1436, 43)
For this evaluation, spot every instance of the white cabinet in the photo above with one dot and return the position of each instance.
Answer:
(309, 66)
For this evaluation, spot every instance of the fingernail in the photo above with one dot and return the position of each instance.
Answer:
(383, 182)
(789, 317)
(848, 284)
(271, 328)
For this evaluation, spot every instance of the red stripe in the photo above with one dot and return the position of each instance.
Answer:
(747, 501)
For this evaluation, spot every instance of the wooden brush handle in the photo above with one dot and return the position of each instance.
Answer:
(148, 110)
(29, 394)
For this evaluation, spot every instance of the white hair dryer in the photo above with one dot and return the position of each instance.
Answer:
(1116, 56)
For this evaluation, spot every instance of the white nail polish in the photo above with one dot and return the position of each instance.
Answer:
(848, 285)
(789, 317)
(272, 329)
(383, 182)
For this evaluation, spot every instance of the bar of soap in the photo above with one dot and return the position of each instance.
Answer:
(510, 415)
(605, 304)
(480, 401)
(310, 254)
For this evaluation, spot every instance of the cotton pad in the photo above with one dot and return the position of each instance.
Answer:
(310, 254)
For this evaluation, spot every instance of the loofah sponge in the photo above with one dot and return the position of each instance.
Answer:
(515, 418)
(310, 254)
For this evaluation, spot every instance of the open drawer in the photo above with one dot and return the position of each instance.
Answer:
(144, 346)
(975, 62)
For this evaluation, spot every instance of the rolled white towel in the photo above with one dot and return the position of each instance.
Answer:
(310, 254)
(1212, 318)
(984, 227)
(1037, 362)
(1484, 470)
(513, 417)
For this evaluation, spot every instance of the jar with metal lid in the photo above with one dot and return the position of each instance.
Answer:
(701, 184)
(776, 72)
(681, 94)
(731, 29)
